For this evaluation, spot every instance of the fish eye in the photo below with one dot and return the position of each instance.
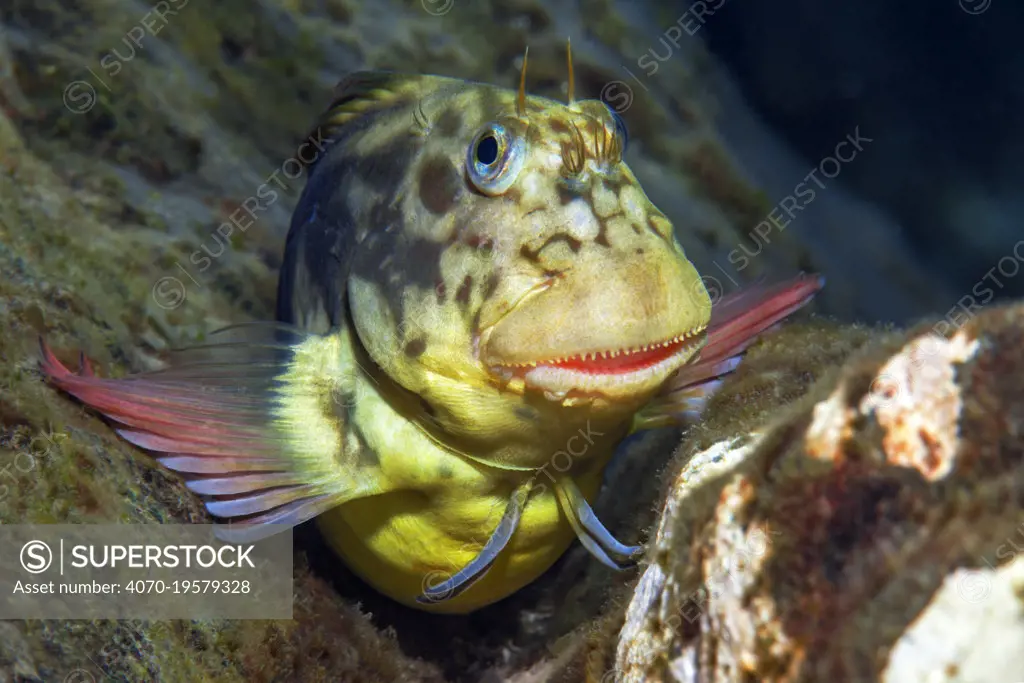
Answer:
(487, 150)
(494, 159)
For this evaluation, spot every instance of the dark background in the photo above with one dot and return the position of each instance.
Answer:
(940, 89)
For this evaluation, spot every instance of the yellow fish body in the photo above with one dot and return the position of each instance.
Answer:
(478, 302)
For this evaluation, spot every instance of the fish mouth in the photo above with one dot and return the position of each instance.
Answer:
(631, 370)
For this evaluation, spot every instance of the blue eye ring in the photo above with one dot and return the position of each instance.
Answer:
(494, 159)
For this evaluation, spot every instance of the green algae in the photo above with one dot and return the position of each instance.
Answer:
(242, 54)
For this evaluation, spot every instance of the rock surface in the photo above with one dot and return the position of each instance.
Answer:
(868, 532)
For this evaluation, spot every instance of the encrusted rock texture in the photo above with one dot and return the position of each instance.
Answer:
(868, 531)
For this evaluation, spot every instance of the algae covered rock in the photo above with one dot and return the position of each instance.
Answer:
(866, 532)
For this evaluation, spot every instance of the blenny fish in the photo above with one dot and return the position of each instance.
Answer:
(477, 303)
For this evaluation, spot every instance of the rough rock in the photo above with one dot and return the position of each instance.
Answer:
(868, 532)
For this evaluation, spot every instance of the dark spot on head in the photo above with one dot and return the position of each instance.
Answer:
(465, 289)
(614, 185)
(445, 471)
(559, 126)
(473, 241)
(384, 168)
(415, 348)
(565, 194)
(439, 184)
(399, 260)
(640, 251)
(441, 290)
(449, 123)
(525, 252)
(386, 223)
(386, 216)
(308, 261)
(574, 245)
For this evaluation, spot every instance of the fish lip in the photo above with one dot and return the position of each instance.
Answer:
(558, 382)
(597, 356)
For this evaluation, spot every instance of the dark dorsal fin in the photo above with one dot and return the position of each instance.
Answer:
(356, 95)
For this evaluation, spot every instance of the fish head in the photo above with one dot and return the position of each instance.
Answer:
(519, 269)
(594, 296)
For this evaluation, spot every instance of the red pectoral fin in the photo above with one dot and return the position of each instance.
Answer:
(224, 415)
(738, 319)
(736, 322)
(174, 417)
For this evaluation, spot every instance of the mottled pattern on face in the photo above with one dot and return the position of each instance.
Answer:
(432, 262)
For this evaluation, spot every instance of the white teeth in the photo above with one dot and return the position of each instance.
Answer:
(612, 353)
(556, 382)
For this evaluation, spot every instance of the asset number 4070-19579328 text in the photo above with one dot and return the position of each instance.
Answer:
(186, 587)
